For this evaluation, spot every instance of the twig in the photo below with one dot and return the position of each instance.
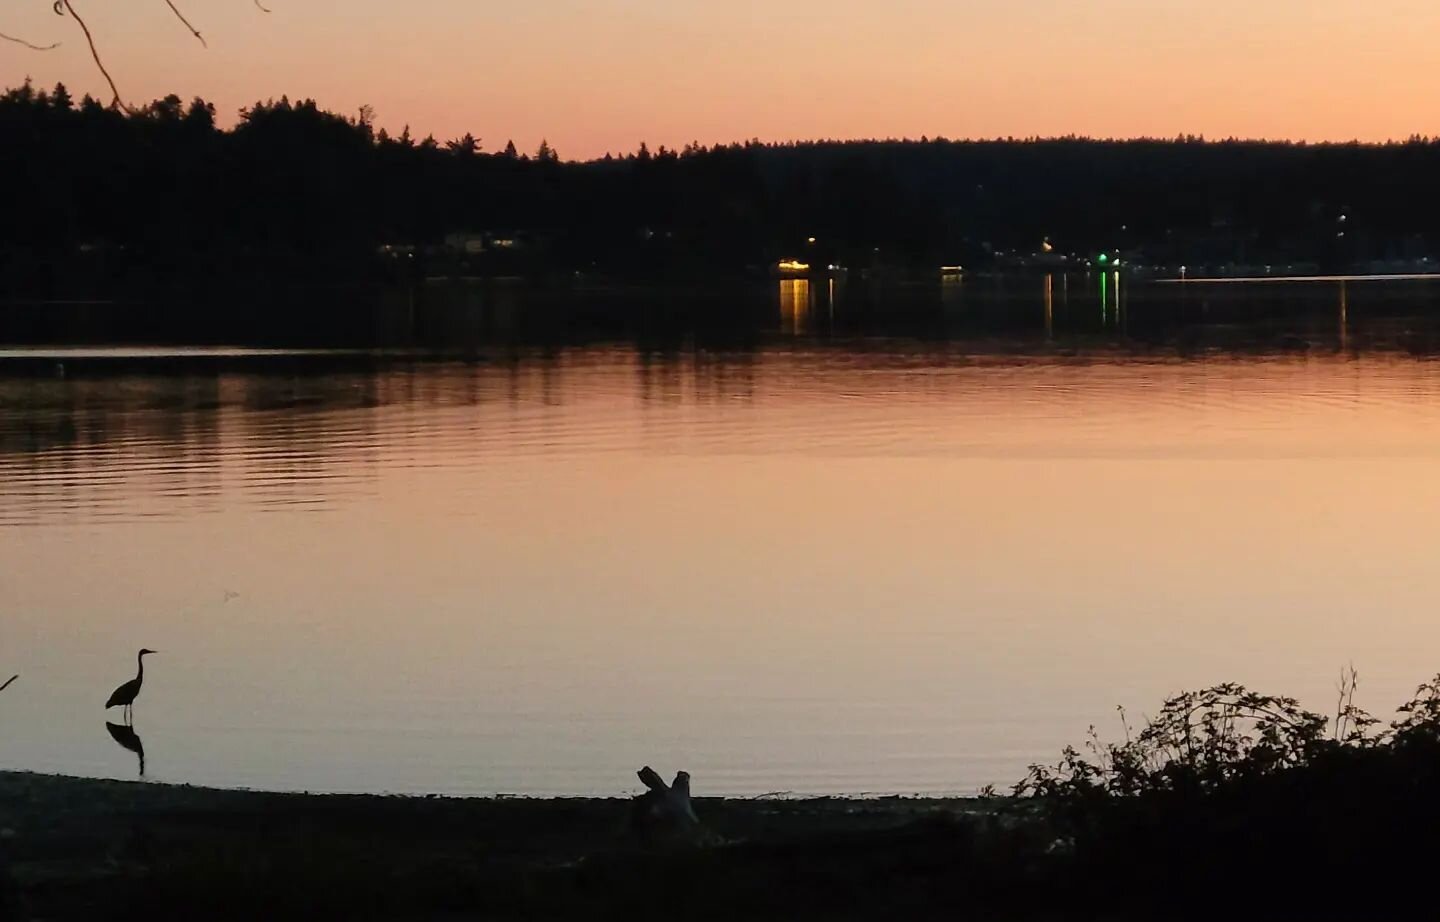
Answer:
(31, 45)
(8, 682)
(67, 8)
(261, 7)
(1340, 705)
(1345, 712)
(181, 16)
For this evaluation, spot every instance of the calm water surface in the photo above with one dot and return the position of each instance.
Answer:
(877, 565)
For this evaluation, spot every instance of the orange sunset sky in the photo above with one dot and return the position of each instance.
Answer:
(603, 75)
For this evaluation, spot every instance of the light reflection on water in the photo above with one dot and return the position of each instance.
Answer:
(876, 566)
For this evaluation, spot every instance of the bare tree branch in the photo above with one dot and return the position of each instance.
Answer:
(8, 682)
(94, 53)
(181, 16)
(64, 8)
(30, 45)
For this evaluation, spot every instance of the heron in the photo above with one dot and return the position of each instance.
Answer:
(125, 695)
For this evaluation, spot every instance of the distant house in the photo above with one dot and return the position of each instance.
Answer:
(475, 242)
(465, 242)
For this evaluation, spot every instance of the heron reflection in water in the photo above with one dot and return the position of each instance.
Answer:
(125, 735)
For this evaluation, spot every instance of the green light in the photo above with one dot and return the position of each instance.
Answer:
(1103, 258)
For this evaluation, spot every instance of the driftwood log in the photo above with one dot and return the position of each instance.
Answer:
(664, 811)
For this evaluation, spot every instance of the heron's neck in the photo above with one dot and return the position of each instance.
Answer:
(140, 659)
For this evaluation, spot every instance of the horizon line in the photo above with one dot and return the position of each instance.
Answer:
(1200, 139)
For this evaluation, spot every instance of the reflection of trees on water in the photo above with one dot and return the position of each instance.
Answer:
(701, 376)
(1041, 313)
(103, 443)
(117, 438)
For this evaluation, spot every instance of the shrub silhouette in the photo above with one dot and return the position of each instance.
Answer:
(1226, 785)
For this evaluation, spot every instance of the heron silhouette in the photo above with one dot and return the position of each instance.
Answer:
(125, 695)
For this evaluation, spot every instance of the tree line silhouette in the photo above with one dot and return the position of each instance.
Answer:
(162, 191)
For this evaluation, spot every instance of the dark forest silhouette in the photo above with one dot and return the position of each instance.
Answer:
(295, 191)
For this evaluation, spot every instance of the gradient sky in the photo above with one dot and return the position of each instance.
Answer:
(606, 74)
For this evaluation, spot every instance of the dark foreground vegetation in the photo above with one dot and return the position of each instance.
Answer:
(1227, 805)
(99, 198)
